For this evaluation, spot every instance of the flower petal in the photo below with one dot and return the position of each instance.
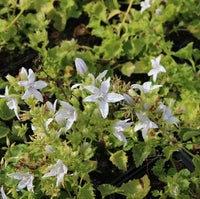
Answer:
(31, 76)
(104, 108)
(92, 89)
(144, 132)
(138, 127)
(114, 97)
(23, 83)
(120, 136)
(37, 94)
(27, 94)
(39, 84)
(105, 86)
(3, 193)
(91, 98)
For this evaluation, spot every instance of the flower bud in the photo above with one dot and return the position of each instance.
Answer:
(80, 65)
(158, 11)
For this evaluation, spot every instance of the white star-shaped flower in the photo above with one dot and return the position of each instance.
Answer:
(144, 5)
(59, 170)
(120, 127)
(80, 65)
(12, 103)
(68, 112)
(3, 195)
(157, 68)
(102, 97)
(146, 87)
(167, 116)
(26, 180)
(32, 86)
(145, 124)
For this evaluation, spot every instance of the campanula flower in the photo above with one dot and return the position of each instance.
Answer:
(12, 102)
(68, 112)
(146, 87)
(120, 127)
(145, 124)
(59, 170)
(144, 5)
(102, 97)
(157, 68)
(26, 180)
(32, 86)
(167, 116)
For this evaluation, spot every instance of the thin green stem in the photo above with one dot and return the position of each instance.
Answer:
(192, 155)
(124, 19)
(15, 19)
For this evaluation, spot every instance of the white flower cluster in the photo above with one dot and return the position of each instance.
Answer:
(68, 113)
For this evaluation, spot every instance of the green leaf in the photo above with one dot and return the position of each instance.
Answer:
(119, 159)
(185, 53)
(16, 152)
(100, 11)
(136, 189)
(159, 169)
(187, 133)
(3, 130)
(86, 192)
(140, 153)
(5, 112)
(111, 48)
(106, 189)
(194, 28)
(128, 68)
(168, 151)
(24, 4)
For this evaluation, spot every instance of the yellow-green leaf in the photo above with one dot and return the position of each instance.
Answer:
(119, 159)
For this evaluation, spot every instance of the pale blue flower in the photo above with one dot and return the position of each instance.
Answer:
(157, 68)
(59, 170)
(68, 112)
(167, 116)
(120, 127)
(102, 97)
(26, 180)
(32, 86)
(144, 5)
(146, 87)
(145, 124)
(12, 102)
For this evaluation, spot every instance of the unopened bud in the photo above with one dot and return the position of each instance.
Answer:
(7, 141)
(158, 11)
(80, 65)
